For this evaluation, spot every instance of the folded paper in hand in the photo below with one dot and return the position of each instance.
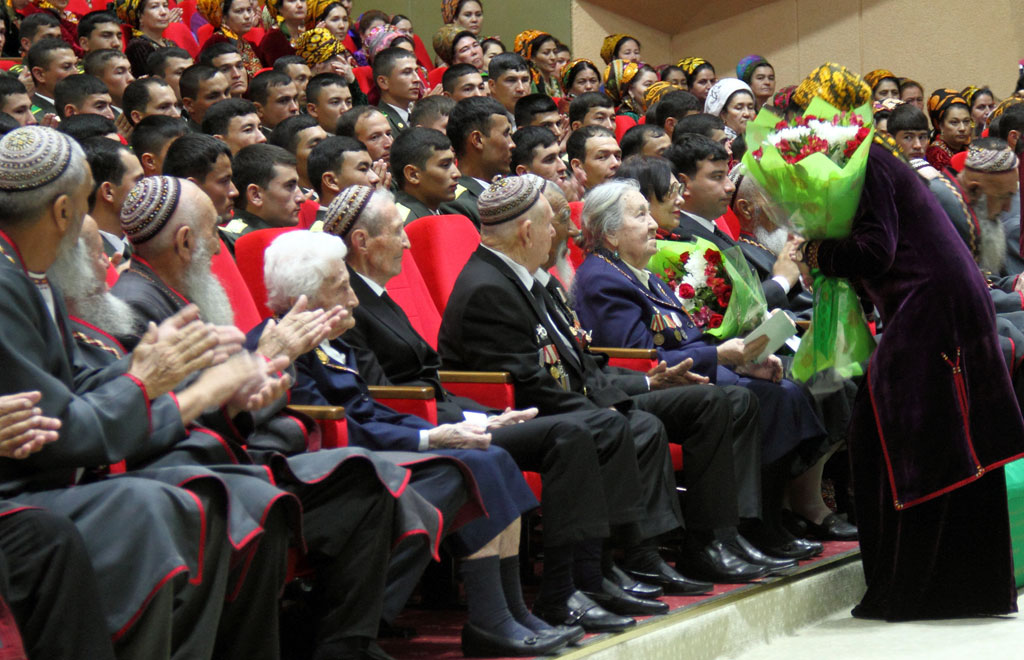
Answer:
(778, 327)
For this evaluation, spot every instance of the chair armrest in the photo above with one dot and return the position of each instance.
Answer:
(627, 353)
(500, 377)
(401, 392)
(320, 412)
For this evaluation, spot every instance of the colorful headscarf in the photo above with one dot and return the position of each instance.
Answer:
(656, 91)
(444, 41)
(611, 44)
(211, 10)
(886, 105)
(567, 72)
(130, 11)
(782, 97)
(873, 78)
(315, 10)
(450, 9)
(969, 93)
(940, 102)
(691, 64)
(746, 67)
(720, 92)
(523, 45)
(1008, 102)
(317, 46)
(834, 83)
(617, 76)
(379, 38)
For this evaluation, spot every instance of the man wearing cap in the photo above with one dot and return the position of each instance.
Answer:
(350, 515)
(107, 416)
(517, 331)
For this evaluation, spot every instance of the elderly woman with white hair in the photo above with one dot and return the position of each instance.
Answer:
(313, 264)
(625, 305)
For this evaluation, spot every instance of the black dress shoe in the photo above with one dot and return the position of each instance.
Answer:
(614, 599)
(813, 546)
(717, 563)
(797, 549)
(579, 610)
(832, 528)
(794, 524)
(632, 585)
(569, 634)
(743, 549)
(671, 581)
(479, 643)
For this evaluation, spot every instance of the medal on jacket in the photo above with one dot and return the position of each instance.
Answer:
(549, 359)
(659, 323)
(673, 322)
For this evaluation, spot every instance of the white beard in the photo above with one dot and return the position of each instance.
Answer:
(87, 297)
(773, 239)
(992, 245)
(562, 265)
(203, 288)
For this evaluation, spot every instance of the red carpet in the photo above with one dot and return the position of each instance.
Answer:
(438, 631)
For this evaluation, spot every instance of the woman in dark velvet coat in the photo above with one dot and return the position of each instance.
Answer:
(937, 419)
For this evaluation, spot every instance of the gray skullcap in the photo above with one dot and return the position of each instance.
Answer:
(148, 207)
(31, 157)
(345, 209)
(508, 198)
(990, 160)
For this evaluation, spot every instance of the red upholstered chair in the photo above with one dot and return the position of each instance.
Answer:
(623, 124)
(729, 223)
(203, 33)
(255, 35)
(180, 34)
(422, 55)
(364, 76)
(224, 268)
(188, 7)
(7, 62)
(441, 245)
(307, 213)
(435, 76)
(958, 160)
(576, 255)
(249, 251)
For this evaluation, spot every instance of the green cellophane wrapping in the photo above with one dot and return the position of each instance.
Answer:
(819, 200)
(1015, 502)
(747, 306)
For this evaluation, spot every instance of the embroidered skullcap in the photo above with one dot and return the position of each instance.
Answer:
(444, 41)
(873, 78)
(1008, 102)
(617, 77)
(940, 102)
(889, 104)
(318, 45)
(834, 83)
(31, 157)
(345, 210)
(148, 207)
(379, 38)
(450, 9)
(508, 198)
(569, 72)
(211, 10)
(611, 44)
(746, 67)
(523, 44)
(720, 92)
(691, 64)
(982, 159)
(656, 91)
(129, 11)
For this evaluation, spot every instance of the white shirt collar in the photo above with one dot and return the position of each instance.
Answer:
(643, 275)
(404, 114)
(517, 268)
(542, 276)
(703, 222)
(117, 242)
(485, 184)
(376, 288)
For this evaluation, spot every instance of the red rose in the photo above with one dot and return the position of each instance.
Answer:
(686, 292)
(715, 321)
(758, 154)
(712, 256)
(684, 257)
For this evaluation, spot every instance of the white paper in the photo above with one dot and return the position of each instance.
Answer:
(478, 418)
(778, 328)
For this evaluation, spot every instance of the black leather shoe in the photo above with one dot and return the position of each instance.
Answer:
(614, 599)
(479, 643)
(579, 610)
(633, 585)
(569, 634)
(832, 528)
(671, 581)
(813, 546)
(743, 549)
(798, 549)
(717, 563)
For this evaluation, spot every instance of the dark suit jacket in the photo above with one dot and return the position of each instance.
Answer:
(465, 202)
(397, 123)
(493, 323)
(762, 260)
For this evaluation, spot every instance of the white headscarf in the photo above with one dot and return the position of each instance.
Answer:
(719, 94)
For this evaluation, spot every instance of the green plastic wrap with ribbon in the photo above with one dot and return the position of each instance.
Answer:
(817, 197)
(747, 306)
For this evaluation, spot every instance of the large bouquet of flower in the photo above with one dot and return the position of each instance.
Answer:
(717, 289)
(812, 168)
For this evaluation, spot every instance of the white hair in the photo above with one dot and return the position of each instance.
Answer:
(602, 210)
(297, 263)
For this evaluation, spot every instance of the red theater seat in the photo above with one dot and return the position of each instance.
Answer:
(441, 245)
(247, 316)
(623, 124)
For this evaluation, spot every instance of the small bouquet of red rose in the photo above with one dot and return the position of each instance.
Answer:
(717, 289)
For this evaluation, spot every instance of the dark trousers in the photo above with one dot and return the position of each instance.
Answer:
(50, 587)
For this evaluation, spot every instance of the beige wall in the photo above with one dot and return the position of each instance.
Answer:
(940, 42)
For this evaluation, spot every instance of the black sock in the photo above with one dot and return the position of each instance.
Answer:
(556, 584)
(643, 556)
(486, 599)
(587, 565)
(514, 595)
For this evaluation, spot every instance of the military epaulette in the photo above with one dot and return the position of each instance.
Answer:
(317, 226)
(403, 211)
(459, 189)
(236, 226)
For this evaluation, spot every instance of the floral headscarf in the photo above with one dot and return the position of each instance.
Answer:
(611, 44)
(746, 67)
(444, 41)
(315, 10)
(567, 72)
(1008, 102)
(873, 78)
(889, 105)
(691, 64)
(969, 93)
(656, 91)
(940, 102)
(450, 9)
(617, 77)
(317, 46)
(379, 38)
(523, 45)
(130, 11)
(834, 83)
(211, 10)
